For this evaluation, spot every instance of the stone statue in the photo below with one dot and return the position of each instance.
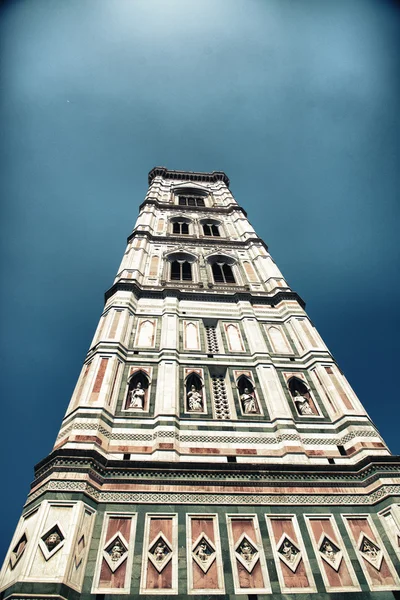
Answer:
(289, 551)
(195, 401)
(137, 396)
(116, 552)
(248, 402)
(303, 404)
(53, 540)
(246, 551)
(160, 551)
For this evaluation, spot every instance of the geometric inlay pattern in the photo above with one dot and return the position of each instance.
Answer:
(160, 552)
(115, 551)
(246, 552)
(370, 551)
(216, 498)
(52, 541)
(220, 396)
(18, 551)
(79, 551)
(288, 552)
(330, 552)
(203, 552)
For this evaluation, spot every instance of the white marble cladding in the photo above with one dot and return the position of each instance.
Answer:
(165, 335)
(62, 561)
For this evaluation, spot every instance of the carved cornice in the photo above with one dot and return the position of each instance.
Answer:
(188, 239)
(188, 175)
(101, 470)
(217, 210)
(205, 296)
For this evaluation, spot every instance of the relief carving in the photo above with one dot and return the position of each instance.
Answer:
(289, 553)
(330, 552)
(370, 551)
(52, 541)
(160, 553)
(247, 553)
(116, 551)
(203, 552)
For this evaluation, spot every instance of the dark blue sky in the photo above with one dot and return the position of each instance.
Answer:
(297, 101)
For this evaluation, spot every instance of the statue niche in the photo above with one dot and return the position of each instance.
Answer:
(138, 391)
(247, 396)
(194, 394)
(302, 398)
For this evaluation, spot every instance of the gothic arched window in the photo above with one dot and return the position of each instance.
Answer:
(210, 229)
(190, 201)
(181, 270)
(180, 227)
(222, 273)
(180, 266)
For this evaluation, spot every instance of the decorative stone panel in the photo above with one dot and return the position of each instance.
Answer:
(249, 567)
(204, 560)
(336, 568)
(115, 554)
(291, 561)
(160, 555)
(371, 553)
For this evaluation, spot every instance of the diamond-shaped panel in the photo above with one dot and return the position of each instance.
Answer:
(203, 552)
(370, 551)
(330, 552)
(288, 552)
(246, 552)
(160, 552)
(52, 541)
(115, 551)
(18, 550)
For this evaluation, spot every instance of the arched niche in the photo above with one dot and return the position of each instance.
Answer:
(302, 398)
(194, 393)
(247, 395)
(138, 391)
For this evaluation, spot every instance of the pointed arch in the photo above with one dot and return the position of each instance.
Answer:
(278, 340)
(234, 336)
(145, 333)
(302, 398)
(191, 335)
(247, 395)
(194, 393)
(138, 389)
(244, 382)
(180, 265)
(222, 268)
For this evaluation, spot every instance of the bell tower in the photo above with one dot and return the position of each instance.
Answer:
(212, 445)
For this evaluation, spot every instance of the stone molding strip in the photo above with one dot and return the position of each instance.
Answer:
(226, 499)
